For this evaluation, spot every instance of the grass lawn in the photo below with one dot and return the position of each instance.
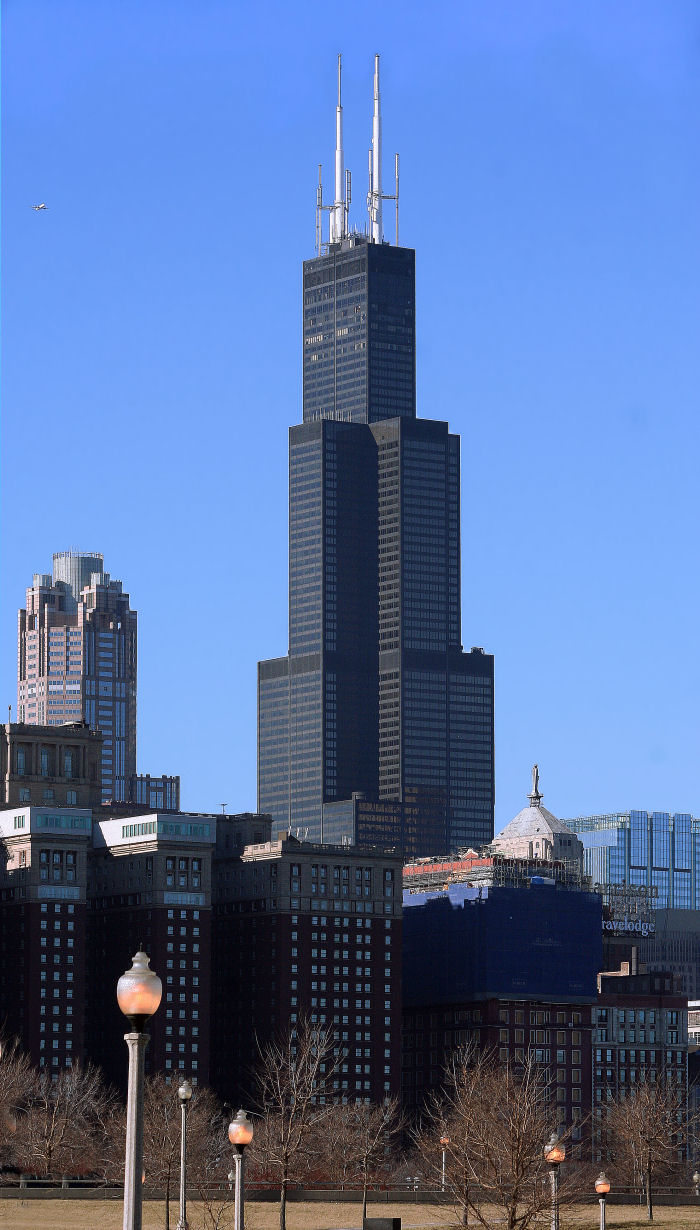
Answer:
(107, 1215)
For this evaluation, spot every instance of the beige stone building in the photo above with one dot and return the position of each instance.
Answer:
(58, 766)
(536, 833)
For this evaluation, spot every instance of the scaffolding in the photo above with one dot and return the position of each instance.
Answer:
(435, 875)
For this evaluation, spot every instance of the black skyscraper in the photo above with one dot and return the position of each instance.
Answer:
(376, 698)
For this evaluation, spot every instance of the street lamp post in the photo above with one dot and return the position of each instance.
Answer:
(696, 1182)
(139, 992)
(602, 1186)
(184, 1093)
(554, 1154)
(240, 1133)
(444, 1141)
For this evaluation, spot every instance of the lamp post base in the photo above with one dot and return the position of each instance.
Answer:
(238, 1190)
(133, 1161)
(554, 1183)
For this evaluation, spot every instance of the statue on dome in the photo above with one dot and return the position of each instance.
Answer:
(535, 795)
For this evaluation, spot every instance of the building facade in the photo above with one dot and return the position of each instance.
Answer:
(77, 660)
(43, 931)
(657, 850)
(672, 945)
(375, 695)
(51, 765)
(76, 663)
(556, 1035)
(641, 1035)
(247, 935)
(307, 930)
(507, 966)
(149, 886)
(157, 793)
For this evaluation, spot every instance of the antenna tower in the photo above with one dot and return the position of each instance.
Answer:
(375, 196)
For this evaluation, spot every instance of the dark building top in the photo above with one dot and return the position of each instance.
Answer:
(641, 986)
(540, 942)
(360, 333)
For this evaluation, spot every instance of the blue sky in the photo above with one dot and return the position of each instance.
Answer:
(152, 349)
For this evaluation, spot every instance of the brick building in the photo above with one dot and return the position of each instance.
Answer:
(556, 1035)
(43, 931)
(508, 966)
(295, 928)
(149, 886)
(305, 928)
(641, 1034)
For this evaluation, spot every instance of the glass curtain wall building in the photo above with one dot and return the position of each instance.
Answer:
(376, 698)
(656, 850)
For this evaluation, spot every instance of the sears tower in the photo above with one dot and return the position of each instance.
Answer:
(376, 727)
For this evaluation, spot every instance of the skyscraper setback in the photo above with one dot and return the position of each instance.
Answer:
(376, 725)
(77, 660)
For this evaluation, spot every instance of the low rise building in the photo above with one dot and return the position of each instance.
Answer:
(641, 1034)
(156, 793)
(510, 967)
(672, 944)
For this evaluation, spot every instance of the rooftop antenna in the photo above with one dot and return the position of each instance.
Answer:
(348, 198)
(339, 210)
(374, 197)
(394, 196)
(223, 808)
(319, 211)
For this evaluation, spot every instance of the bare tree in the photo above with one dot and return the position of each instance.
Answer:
(161, 1136)
(355, 1145)
(335, 1161)
(294, 1080)
(373, 1129)
(209, 1158)
(494, 1121)
(17, 1078)
(647, 1131)
(65, 1126)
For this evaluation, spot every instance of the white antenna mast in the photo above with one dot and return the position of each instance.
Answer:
(319, 216)
(338, 212)
(396, 196)
(348, 198)
(374, 197)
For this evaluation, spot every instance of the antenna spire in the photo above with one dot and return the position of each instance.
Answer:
(338, 227)
(374, 200)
